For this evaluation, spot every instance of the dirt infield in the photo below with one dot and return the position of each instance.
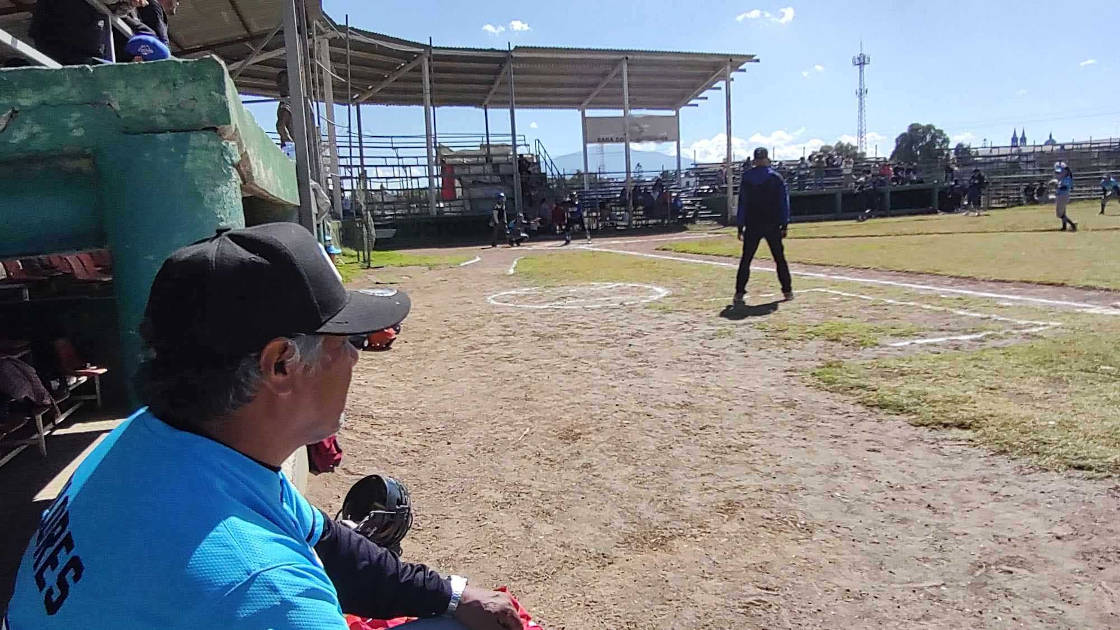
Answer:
(648, 466)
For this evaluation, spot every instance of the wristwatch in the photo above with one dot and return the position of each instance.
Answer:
(458, 585)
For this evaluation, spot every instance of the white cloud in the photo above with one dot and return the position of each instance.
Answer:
(783, 145)
(1087, 62)
(518, 25)
(714, 149)
(784, 16)
(965, 136)
(1021, 92)
(872, 138)
(493, 30)
(533, 125)
(818, 68)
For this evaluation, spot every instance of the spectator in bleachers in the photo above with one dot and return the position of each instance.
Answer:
(818, 170)
(545, 212)
(658, 187)
(154, 16)
(283, 109)
(74, 33)
(1042, 192)
(801, 174)
(1028, 194)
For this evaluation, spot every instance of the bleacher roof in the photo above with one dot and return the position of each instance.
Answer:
(548, 78)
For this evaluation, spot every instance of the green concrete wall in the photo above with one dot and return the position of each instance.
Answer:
(144, 158)
(55, 203)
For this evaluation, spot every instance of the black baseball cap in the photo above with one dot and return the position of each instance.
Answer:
(232, 293)
(761, 154)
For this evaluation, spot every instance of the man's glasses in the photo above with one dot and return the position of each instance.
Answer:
(361, 342)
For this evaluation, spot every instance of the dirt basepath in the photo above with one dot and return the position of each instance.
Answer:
(632, 468)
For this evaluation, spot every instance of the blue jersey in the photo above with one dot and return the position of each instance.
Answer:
(1065, 185)
(160, 528)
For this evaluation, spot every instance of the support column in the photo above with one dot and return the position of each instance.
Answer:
(583, 134)
(513, 138)
(424, 66)
(334, 168)
(678, 117)
(295, 44)
(727, 168)
(486, 122)
(200, 191)
(626, 140)
(363, 184)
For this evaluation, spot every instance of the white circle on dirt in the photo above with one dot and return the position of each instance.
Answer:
(591, 295)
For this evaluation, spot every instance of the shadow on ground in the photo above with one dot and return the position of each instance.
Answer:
(736, 312)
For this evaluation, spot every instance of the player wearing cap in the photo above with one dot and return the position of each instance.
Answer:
(1109, 188)
(181, 517)
(574, 218)
(498, 220)
(1061, 198)
(763, 214)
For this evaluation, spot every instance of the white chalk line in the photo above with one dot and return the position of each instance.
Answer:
(585, 303)
(1082, 307)
(471, 261)
(513, 267)
(562, 245)
(1034, 326)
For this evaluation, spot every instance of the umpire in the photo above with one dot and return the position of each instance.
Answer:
(763, 214)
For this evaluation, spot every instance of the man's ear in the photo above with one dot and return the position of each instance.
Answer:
(276, 365)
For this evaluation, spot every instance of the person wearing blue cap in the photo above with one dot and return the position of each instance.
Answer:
(1061, 199)
(145, 47)
(1109, 188)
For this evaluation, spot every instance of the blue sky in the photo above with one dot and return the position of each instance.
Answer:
(975, 69)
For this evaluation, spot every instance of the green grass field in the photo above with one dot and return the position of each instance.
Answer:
(351, 269)
(1019, 244)
(1055, 401)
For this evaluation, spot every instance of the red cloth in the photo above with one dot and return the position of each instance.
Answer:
(447, 188)
(357, 623)
(559, 214)
(324, 456)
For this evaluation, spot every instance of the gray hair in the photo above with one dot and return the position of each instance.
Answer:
(203, 391)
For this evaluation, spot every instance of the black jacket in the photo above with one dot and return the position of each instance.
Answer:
(373, 583)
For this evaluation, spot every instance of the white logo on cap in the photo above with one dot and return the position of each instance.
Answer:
(379, 292)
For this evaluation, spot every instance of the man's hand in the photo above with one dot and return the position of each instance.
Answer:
(480, 609)
(740, 234)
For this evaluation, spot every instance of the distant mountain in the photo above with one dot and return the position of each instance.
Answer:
(614, 161)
